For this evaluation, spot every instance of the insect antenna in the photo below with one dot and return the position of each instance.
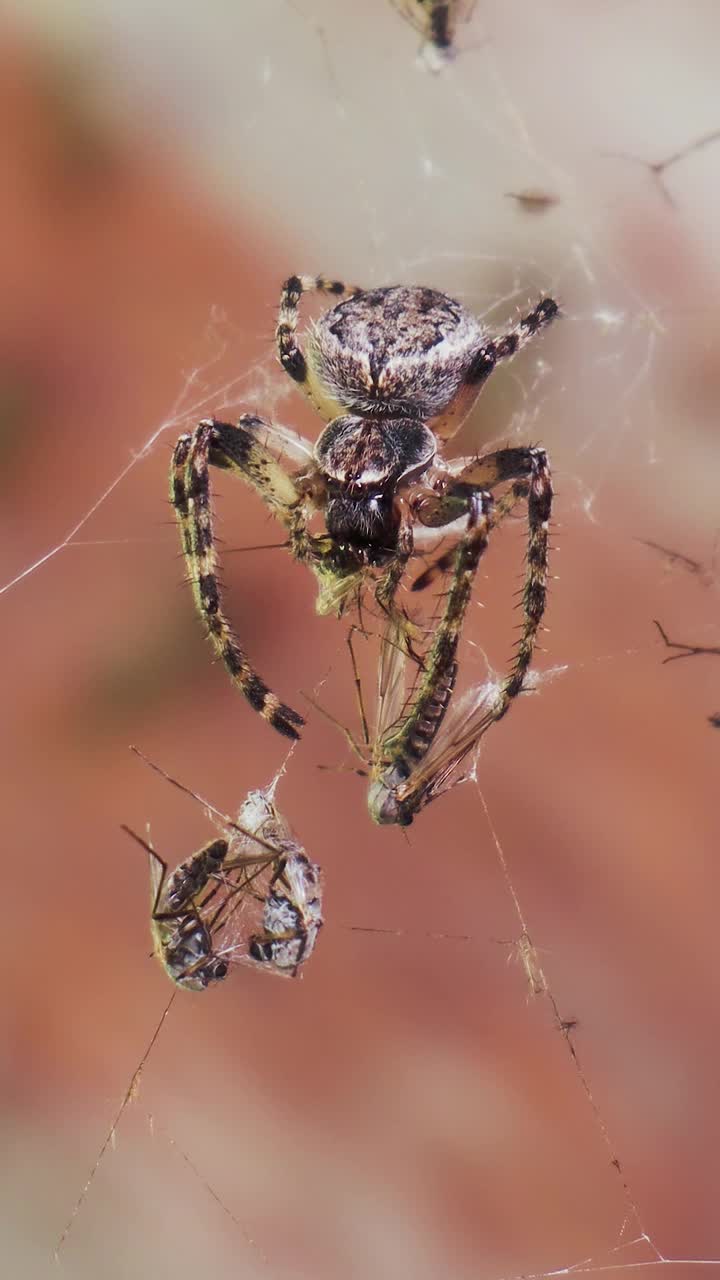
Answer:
(225, 818)
(358, 689)
(214, 1195)
(409, 933)
(348, 736)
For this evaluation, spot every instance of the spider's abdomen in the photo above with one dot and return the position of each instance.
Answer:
(399, 351)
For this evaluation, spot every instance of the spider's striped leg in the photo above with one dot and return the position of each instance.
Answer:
(486, 359)
(290, 353)
(534, 594)
(400, 751)
(444, 562)
(400, 787)
(515, 338)
(529, 467)
(237, 449)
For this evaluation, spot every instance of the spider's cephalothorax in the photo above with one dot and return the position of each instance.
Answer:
(363, 463)
(393, 372)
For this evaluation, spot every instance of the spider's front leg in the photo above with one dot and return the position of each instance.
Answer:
(403, 748)
(530, 471)
(290, 353)
(242, 450)
(403, 780)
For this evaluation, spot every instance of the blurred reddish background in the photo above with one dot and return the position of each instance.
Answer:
(408, 1108)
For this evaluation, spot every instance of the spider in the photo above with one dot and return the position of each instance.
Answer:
(393, 373)
(194, 903)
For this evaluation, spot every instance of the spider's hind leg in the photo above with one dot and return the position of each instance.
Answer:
(490, 353)
(238, 449)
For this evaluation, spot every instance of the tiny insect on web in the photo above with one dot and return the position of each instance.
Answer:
(393, 373)
(436, 21)
(684, 650)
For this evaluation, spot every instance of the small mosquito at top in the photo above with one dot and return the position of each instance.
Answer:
(392, 372)
(436, 21)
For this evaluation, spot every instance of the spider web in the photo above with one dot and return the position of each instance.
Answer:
(417, 1105)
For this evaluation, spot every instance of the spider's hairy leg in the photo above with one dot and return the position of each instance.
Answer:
(503, 508)
(507, 344)
(446, 499)
(529, 467)
(401, 750)
(488, 356)
(399, 799)
(290, 354)
(534, 594)
(236, 449)
(446, 489)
